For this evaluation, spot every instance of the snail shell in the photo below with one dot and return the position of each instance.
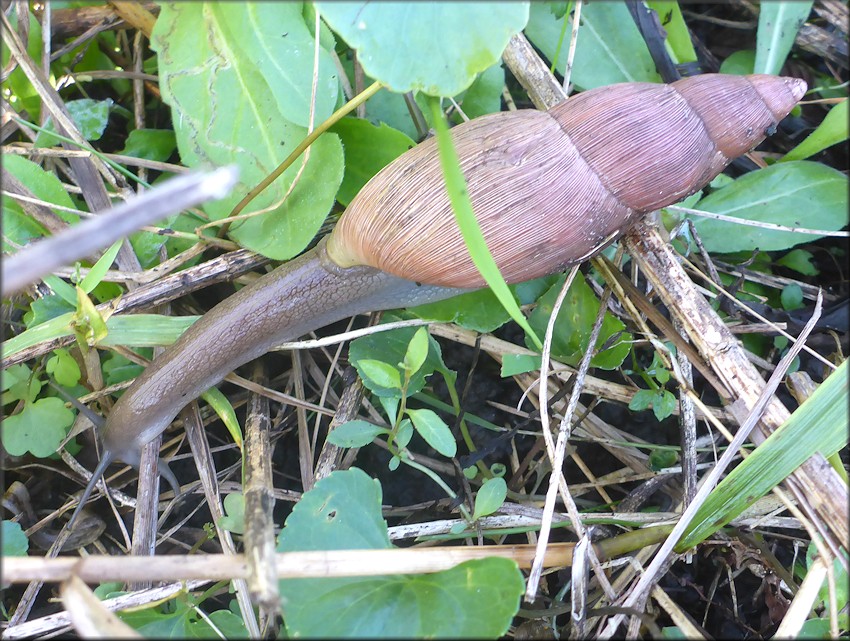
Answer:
(552, 188)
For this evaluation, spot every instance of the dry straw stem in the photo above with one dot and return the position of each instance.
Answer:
(821, 494)
(290, 565)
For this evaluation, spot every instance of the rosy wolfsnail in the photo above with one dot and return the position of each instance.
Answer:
(550, 189)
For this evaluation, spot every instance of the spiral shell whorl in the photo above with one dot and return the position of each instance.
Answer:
(552, 188)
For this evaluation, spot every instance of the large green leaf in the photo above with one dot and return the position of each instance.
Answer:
(19, 227)
(609, 49)
(238, 77)
(571, 334)
(343, 512)
(368, 148)
(795, 194)
(433, 47)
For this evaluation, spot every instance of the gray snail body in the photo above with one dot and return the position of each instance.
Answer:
(550, 189)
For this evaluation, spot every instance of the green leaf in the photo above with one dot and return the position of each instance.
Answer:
(380, 373)
(642, 400)
(513, 364)
(118, 368)
(417, 351)
(833, 130)
(150, 144)
(238, 77)
(15, 542)
(800, 260)
(490, 497)
(90, 116)
(234, 517)
(222, 407)
(19, 227)
(795, 194)
(819, 425)
(28, 98)
(479, 311)
(434, 430)
(571, 335)
(355, 434)
(678, 36)
(98, 271)
(343, 512)
(395, 40)
(17, 384)
(88, 324)
(405, 433)
(62, 289)
(610, 48)
(63, 368)
(792, 297)
(368, 149)
(484, 95)
(664, 405)
(842, 592)
(740, 63)
(779, 23)
(660, 459)
(39, 428)
(390, 347)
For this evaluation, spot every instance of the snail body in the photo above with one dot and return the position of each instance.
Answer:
(550, 189)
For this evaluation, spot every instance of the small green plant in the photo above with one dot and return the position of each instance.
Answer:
(343, 512)
(661, 400)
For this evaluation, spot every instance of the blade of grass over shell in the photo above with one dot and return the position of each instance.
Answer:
(468, 223)
(818, 425)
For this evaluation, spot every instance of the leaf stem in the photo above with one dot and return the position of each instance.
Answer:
(347, 108)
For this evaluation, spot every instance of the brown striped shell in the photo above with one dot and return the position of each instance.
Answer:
(551, 189)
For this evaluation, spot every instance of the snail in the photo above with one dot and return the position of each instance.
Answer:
(550, 189)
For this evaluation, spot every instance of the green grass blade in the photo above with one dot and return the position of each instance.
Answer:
(818, 425)
(468, 223)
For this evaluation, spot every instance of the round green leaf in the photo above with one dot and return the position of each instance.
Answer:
(237, 92)
(396, 42)
(343, 512)
(39, 428)
(234, 513)
(15, 542)
(795, 194)
(63, 368)
(479, 311)
(792, 297)
(18, 226)
(800, 260)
